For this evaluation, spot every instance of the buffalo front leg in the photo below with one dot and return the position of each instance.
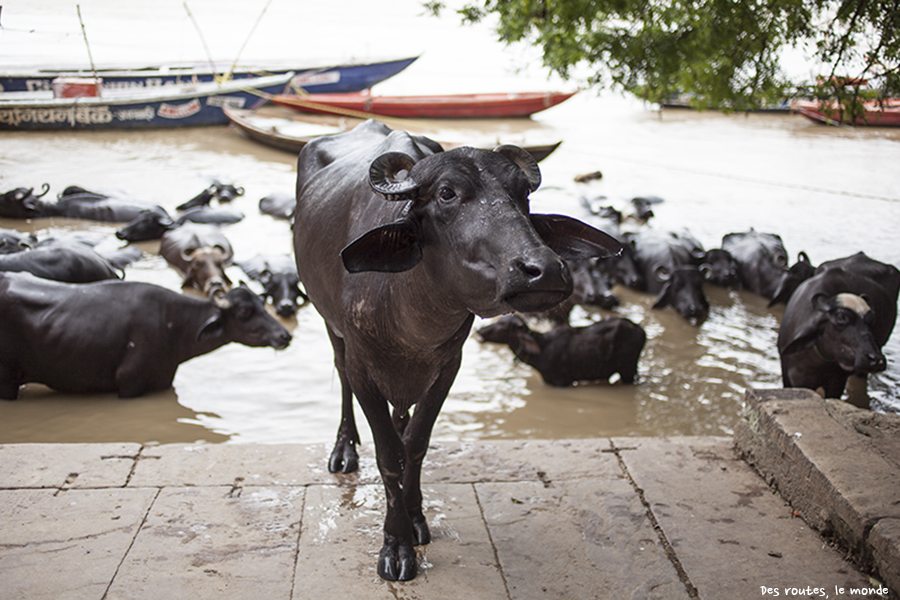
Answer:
(416, 437)
(344, 457)
(397, 558)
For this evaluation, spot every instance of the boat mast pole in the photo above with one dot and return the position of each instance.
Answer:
(88, 46)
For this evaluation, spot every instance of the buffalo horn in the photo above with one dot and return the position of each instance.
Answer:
(383, 176)
(188, 253)
(661, 272)
(219, 298)
(525, 161)
(46, 188)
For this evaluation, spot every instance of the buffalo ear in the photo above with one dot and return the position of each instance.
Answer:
(391, 248)
(572, 239)
(213, 327)
(822, 302)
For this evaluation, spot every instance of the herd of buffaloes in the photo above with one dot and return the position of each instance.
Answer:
(399, 245)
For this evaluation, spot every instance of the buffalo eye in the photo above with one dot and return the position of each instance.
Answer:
(841, 318)
(446, 193)
(243, 313)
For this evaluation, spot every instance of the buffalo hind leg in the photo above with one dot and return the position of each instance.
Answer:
(344, 457)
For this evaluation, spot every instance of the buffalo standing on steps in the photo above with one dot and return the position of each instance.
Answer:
(836, 322)
(117, 336)
(567, 355)
(399, 245)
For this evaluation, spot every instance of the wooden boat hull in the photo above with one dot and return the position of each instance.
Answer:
(146, 109)
(446, 106)
(874, 114)
(327, 79)
(274, 132)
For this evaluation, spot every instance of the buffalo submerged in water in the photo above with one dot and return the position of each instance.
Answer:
(399, 245)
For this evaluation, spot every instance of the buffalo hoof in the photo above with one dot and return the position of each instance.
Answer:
(344, 458)
(397, 562)
(421, 534)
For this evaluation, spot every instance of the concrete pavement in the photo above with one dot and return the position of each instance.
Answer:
(602, 518)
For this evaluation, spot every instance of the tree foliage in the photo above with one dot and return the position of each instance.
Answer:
(721, 53)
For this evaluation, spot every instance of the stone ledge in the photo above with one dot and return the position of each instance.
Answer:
(835, 464)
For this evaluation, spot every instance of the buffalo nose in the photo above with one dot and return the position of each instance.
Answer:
(529, 269)
(285, 308)
(282, 340)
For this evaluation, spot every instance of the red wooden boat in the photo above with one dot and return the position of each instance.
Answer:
(521, 104)
(880, 114)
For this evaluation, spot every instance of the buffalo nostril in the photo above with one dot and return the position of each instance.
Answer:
(530, 270)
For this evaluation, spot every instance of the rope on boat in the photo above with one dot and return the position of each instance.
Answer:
(88, 46)
(212, 64)
(241, 51)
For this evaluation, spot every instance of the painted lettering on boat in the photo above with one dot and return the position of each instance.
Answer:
(180, 111)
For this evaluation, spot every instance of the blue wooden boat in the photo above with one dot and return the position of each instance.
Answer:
(350, 77)
(141, 108)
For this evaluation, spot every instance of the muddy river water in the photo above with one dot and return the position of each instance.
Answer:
(830, 192)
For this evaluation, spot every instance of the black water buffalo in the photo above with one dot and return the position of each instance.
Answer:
(153, 223)
(568, 355)
(669, 263)
(278, 276)
(117, 336)
(796, 274)
(61, 260)
(399, 245)
(591, 286)
(719, 267)
(223, 192)
(12, 240)
(762, 260)
(836, 322)
(201, 253)
(624, 268)
(280, 205)
(74, 202)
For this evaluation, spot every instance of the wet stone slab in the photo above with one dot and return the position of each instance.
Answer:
(66, 545)
(519, 460)
(214, 542)
(226, 464)
(342, 535)
(577, 539)
(716, 511)
(66, 465)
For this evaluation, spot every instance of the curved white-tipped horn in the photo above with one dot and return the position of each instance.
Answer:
(383, 176)
(219, 298)
(188, 253)
(525, 161)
